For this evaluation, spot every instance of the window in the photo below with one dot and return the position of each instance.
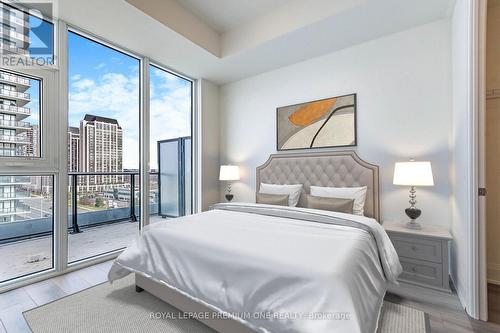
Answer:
(103, 147)
(26, 211)
(20, 114)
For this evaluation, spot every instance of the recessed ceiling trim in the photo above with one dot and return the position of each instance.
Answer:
(182, 21)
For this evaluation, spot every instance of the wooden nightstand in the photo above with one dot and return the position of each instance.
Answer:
(423, 254)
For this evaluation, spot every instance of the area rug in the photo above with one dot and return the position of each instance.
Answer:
(118, 308)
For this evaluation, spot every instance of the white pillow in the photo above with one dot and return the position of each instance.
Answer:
(356, 193)
(293, 191)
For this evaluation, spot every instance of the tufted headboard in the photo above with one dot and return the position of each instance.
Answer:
(339, 168)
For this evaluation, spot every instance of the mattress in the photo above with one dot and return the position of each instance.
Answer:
(275, 269)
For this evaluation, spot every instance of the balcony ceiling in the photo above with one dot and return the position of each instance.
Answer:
(227, 40)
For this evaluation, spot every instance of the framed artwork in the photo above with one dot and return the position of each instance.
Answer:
(324, 123)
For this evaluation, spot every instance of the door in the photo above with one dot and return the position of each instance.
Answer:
(174, 182)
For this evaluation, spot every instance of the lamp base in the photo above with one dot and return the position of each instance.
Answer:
(413, 213)
(229, 197)
(413, 225)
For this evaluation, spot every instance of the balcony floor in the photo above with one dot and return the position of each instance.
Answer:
(32, 255)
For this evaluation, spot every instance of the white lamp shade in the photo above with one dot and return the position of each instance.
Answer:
(413, 174)
(229, 172)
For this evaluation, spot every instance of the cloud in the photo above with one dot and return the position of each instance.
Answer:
(76, 77)
(117, 60)
(170, 111)
(83, 84)
(100, 66)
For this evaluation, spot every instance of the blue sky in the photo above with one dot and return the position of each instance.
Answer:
(105, 82)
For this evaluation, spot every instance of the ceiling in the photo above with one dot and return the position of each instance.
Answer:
(224, 15)
(252, 37)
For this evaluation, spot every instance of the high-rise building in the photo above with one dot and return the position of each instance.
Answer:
(101, 151)
(17, 137)
(73, 149)
(33, 147)
(14, 140)
(14, 31)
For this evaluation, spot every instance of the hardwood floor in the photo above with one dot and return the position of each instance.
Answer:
(13, 303)
(445, 312)
(494, 303)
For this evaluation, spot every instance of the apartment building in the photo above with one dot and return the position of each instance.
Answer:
(14, 31)
(33, 147)
(101, 151)
(15, 134)
(18, 137)
(73, 149)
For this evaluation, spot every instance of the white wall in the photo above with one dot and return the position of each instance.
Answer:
(403, 91)
(461, 157)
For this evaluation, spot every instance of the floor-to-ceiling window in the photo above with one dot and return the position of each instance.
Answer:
(171, 97)
(27, 168)
(103, 147)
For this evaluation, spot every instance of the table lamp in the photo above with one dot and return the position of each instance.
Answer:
(229, 173)
(413, 174)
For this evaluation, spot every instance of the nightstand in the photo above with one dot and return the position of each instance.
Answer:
(423, 254)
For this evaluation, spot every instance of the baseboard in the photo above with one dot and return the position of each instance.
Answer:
(491, 281)
(493, 274)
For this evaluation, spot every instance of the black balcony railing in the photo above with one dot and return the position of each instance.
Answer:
(118, 185)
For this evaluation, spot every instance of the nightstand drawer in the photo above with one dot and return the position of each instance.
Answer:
(418, 248)
(421, 271)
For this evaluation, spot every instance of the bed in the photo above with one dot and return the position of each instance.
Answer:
(245, 267)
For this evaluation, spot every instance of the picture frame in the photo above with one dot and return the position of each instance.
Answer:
(323, 123)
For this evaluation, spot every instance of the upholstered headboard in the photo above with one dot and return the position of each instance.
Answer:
(340, 169)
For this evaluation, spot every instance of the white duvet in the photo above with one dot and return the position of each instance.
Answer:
(275, 269)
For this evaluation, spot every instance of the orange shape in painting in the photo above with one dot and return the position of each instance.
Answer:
(311, 112)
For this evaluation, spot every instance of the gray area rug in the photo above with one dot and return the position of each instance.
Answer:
(118, 308)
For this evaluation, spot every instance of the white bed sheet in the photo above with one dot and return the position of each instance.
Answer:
(274, 274)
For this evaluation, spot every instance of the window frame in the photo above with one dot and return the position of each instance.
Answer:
(48, 125)
(103, 42)
(193, 121)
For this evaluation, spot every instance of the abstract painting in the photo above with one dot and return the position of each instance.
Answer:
(324, 123)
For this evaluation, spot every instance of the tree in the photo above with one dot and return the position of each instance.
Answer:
(99, 202)
(85, 200)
